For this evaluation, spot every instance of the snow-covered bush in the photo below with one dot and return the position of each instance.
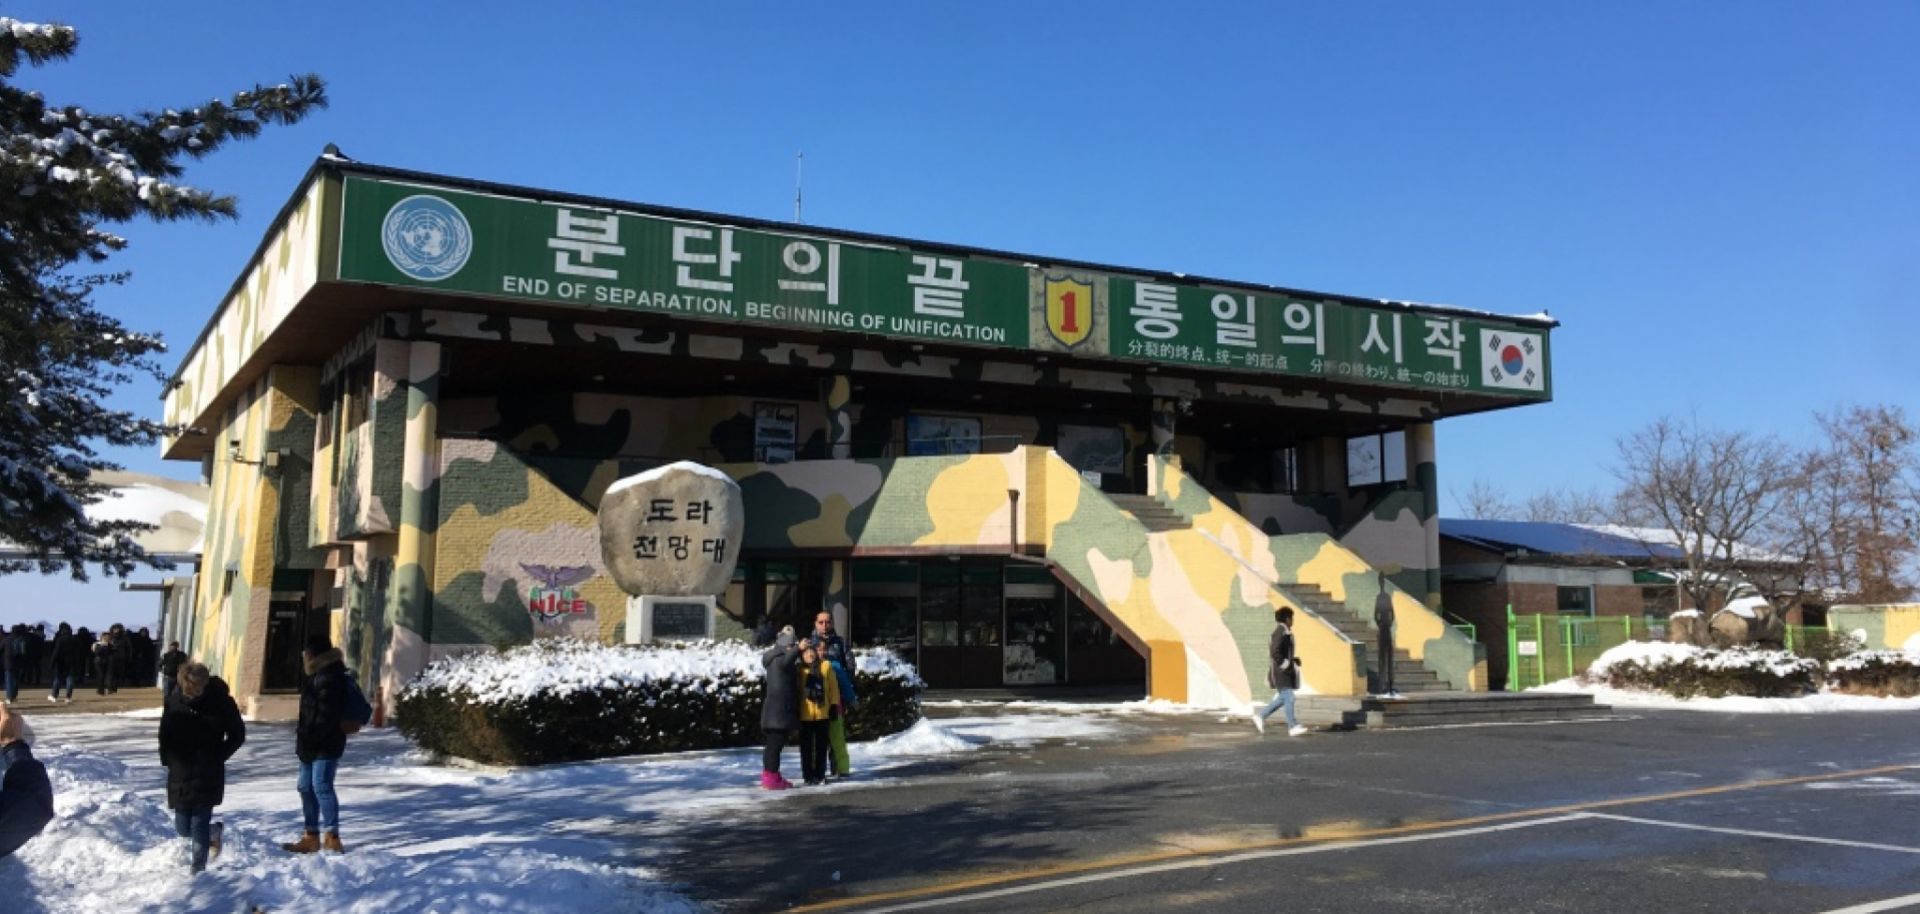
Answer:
(1883, 673)
(1828, 646)
(1685, 671)
(559, 700)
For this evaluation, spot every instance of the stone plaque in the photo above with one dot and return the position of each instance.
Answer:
(682, 621)
(673, 531)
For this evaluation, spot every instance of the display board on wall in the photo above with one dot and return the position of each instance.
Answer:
(775, 429)
(422, 235)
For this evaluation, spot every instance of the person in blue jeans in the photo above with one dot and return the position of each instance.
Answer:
(1283, 673)
(320, 740)
(200, 729)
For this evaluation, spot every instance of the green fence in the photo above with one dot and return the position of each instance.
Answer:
(1545, 647)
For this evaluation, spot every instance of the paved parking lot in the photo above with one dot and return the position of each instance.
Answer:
(1665, 811)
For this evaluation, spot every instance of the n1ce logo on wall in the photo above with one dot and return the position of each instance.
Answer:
(553, 597)
(1511, 360)
(426, 237)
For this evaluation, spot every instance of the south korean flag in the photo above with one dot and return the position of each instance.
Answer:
(1512, 360)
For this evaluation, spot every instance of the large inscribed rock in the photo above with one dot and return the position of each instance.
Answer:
(672, 531)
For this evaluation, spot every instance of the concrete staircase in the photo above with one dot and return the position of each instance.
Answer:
(1409, 676)
(1435, 709)
(1151, 512)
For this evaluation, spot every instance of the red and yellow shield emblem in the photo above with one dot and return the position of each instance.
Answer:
(1069, 310)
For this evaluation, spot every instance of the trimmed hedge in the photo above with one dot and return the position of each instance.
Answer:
(1828, 646)
(1888, 674)
(1684, 671)
(557, 700)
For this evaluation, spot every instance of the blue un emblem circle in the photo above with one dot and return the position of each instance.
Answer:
(426, 238)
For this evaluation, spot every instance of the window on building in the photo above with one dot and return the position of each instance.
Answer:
(1376, 459)
(1286, 470)
(1576, 601)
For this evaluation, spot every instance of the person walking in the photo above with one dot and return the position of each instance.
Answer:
(1383, 620)
(1283, 674)
(170, 664)
(319, 740)
(103, 662)
(13, 660)
(780, 709)
(819, 705)
(26, 795)
(200, 729)
(120, 660)
(69, 658)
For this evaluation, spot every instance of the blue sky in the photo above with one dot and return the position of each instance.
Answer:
(1719, 200)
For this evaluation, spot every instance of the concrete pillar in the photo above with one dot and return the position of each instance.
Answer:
(1166, 412)
(1423, 474)
(410, 603)
(836, 394)
(837, 597)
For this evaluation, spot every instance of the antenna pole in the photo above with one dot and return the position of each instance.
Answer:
(799, 174)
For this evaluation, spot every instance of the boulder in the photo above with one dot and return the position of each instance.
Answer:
(1749, 620)
(673, 531)
(1689, 627)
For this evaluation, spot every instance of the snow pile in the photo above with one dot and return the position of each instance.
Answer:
(1913, 645)
(423, 838)
(111, 847)
(1818, 703)
(923, 738)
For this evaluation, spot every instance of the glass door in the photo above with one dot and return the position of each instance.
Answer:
(980, 625)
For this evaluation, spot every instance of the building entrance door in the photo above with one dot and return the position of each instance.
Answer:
(292, 614)
(960, 624)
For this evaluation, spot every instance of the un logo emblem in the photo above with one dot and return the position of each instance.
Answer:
(426, 238)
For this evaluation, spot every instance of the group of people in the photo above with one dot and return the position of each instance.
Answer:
(200, 729)
(809, 692)
(31, 658)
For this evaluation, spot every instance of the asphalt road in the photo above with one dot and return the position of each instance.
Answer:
(1662, 811)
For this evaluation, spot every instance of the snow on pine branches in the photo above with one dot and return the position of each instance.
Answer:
(64, 172)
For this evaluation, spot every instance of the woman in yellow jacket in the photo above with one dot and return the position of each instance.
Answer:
(819, 705)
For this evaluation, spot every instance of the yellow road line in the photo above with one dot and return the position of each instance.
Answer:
(1065, 869)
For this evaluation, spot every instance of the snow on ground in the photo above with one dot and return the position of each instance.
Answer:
(421, 837)
(1820, 703)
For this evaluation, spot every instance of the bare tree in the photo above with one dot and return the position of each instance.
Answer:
(1591, 506)
(1872, 485)
(1717, 494)
(1484, 501)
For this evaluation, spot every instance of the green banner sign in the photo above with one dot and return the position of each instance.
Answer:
(433, 237)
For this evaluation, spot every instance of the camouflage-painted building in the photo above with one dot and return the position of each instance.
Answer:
(1018, 470)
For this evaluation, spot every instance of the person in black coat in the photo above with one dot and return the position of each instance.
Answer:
(170, 664)
(26, 796)
(69, 658)
(13, 660)
(780, 712)
(319, 740)
(200, 729)
(1283, 674)
(1383, 621)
